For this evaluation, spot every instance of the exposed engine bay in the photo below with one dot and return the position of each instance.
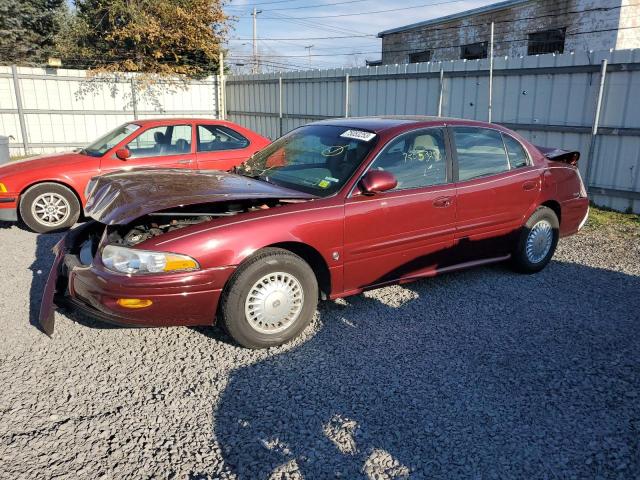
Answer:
(159, 223)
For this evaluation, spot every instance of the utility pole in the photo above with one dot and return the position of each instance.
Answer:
(309, 47)
(256, 64)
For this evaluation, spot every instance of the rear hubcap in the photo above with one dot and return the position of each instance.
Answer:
(50, 209)
(539, 241)
(274, 302)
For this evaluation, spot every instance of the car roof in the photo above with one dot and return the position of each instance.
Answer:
(382, 123)
(171, 121)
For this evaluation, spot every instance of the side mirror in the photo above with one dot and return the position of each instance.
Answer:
(123, 153)
(376, 181)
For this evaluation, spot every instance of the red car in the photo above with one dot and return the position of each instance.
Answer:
(47, 191)
(328, 210)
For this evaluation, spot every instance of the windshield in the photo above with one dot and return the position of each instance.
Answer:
(110, 140)
(316, 159)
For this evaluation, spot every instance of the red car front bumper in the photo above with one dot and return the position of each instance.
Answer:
(188, 298)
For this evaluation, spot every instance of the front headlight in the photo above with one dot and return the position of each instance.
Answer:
(130, 260)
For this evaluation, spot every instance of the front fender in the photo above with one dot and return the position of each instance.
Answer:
(318, 224)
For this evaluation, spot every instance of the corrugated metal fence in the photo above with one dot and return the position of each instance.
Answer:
(41, 109)
(550, 99)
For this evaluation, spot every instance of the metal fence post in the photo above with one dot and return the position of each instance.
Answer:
(279, 106)
(441, 91)
(346, 96)
(134, 98)
(222, 104)
(23, 123)
(491, 75)
(594, 128)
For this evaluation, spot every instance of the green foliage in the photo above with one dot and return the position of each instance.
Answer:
(28, 29)
(152, 37)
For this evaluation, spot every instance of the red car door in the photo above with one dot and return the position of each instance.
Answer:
(496, 189)
(407, 231)
(220, 147)
(165, 146)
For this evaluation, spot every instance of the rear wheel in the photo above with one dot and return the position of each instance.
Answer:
(49, 207)
(270, 299)
(537, 242)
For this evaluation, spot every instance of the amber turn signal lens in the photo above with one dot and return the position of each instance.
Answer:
(134, 302)
(179, 262)
(3, 189)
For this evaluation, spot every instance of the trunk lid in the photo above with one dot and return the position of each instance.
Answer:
(121, 197)
(558, 155)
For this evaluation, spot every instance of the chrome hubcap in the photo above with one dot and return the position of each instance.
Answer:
(51, 209)
(539, 241)
(274, 302)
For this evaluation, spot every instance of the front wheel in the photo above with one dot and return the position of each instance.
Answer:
(270, 299)
(537, 242)
(48, 207)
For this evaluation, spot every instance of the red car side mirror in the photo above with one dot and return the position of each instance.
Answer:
(123, 153)
(376, 181)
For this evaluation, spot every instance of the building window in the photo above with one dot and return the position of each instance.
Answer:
(418, 57)
(548, 41)
(474, 51)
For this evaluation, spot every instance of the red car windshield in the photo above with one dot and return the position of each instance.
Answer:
(316, 159)
(110, 140)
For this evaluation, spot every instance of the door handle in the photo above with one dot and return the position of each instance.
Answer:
(442, 202)
(532, 185)
(184, 162)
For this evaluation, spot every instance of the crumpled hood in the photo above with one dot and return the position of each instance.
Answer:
(121, 197)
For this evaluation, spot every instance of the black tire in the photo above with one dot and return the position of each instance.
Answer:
(234, 298)
(66, 198)
(524, 262)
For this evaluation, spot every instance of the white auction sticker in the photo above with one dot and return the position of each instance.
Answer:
(358, 135)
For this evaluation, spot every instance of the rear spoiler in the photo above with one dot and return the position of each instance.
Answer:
(558, 155)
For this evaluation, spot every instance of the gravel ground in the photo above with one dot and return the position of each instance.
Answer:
(479, 374)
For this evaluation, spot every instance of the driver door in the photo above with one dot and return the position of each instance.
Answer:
(165, 146)
(407, 231)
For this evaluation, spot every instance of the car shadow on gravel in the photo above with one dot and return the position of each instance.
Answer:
(482, 374)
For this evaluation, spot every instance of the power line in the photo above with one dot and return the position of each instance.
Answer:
(319, 5)
(526, 39)
(379, 11)
(461, 27)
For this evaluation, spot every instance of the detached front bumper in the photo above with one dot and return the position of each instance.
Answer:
(188, 298)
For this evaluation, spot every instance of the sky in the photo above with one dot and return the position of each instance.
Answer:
(296, 24)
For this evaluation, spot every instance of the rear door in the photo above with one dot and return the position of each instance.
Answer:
(220, 147)
(496, 187)
(165, 146)
(407, 231)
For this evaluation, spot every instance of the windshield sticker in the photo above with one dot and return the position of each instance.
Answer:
(332, 179)
(358, 135)
(324, 183)
(132, 127)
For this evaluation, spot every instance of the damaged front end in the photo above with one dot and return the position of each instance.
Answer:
(130, 208)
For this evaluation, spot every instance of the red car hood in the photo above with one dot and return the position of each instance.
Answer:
(42, 161)
(121, 197)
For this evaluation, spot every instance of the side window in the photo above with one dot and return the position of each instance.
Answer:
(213, 138)
(161, 141)
(416, 159)
(517, 155)
(480, 152)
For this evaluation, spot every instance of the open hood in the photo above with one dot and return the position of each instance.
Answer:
(121, 197)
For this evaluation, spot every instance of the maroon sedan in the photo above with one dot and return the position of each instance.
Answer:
(328, 210)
